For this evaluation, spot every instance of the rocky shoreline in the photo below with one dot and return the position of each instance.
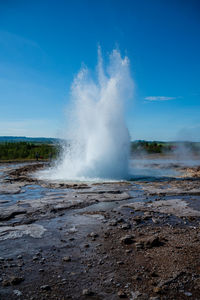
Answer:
(134, 240)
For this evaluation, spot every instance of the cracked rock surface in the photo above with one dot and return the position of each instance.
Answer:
(135, 240)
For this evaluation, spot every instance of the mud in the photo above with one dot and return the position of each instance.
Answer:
(136, 240)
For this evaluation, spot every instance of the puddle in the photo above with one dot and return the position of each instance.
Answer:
(30, 192)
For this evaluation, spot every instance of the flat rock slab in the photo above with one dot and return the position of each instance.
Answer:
(176, 207)
(10, 188)
(13, 232)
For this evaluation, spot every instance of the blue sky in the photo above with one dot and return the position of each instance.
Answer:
(44, 43)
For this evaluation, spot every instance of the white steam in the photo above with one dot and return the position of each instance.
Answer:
(98, 137)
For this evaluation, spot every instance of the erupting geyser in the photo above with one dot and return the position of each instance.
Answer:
(98, 137)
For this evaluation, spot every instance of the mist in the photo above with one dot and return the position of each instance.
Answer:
(99, 141)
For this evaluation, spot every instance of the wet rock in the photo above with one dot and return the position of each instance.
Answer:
(122, 294)
(113, 223)
(139, 245)
(127, 240)
(87, 292)
(9, 259)
(6, 283)
(13, 232)
(66, 258)
(16, 280)
(157, 289)
(154, 274)
(126, 226)
(10, 188)
(149, 242)
(10, 213)
(101, 262)
(93, 235)
(129, 250)
(135, 295)
(17, 293)
(137, 219)
(153, 242)
(35, 258)
(45, 287)
(188, 294)
(155, 220)
(42, 261)
(72, 230)
(120, 220)
(13, 265)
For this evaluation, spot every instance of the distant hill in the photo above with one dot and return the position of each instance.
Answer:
(13, 139)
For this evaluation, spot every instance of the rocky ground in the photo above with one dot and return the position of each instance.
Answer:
(134, 240)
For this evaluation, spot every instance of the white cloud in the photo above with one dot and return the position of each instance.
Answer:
(159, 98)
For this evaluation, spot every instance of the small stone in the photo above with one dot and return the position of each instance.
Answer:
(122, 294)
(13, 265)
(6, 283)
(139, 245)
(137, 219)
(9, 259)
(113, 223)
(19, 256)
(118, 284)
(127, 240)
(2, 259)
(120, 262)
(86, 245)
(45, 287)
(120, 220)
(93, 235)
(157, 289)
(128, 250)
(135, 295)
(155, 221)
(153, 242)
(16, 280)
(41, 270)
(154, 274)
(126, 226)
(66, 258)
(17, 293)
(87, 292)
(42, 261)
(20, 264)
(188, 294)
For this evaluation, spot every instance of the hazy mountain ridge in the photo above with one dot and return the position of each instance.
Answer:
(28, 139)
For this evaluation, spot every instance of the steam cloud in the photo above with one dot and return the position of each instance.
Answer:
(99, 139)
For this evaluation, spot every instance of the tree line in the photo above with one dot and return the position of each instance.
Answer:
(24, 150)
